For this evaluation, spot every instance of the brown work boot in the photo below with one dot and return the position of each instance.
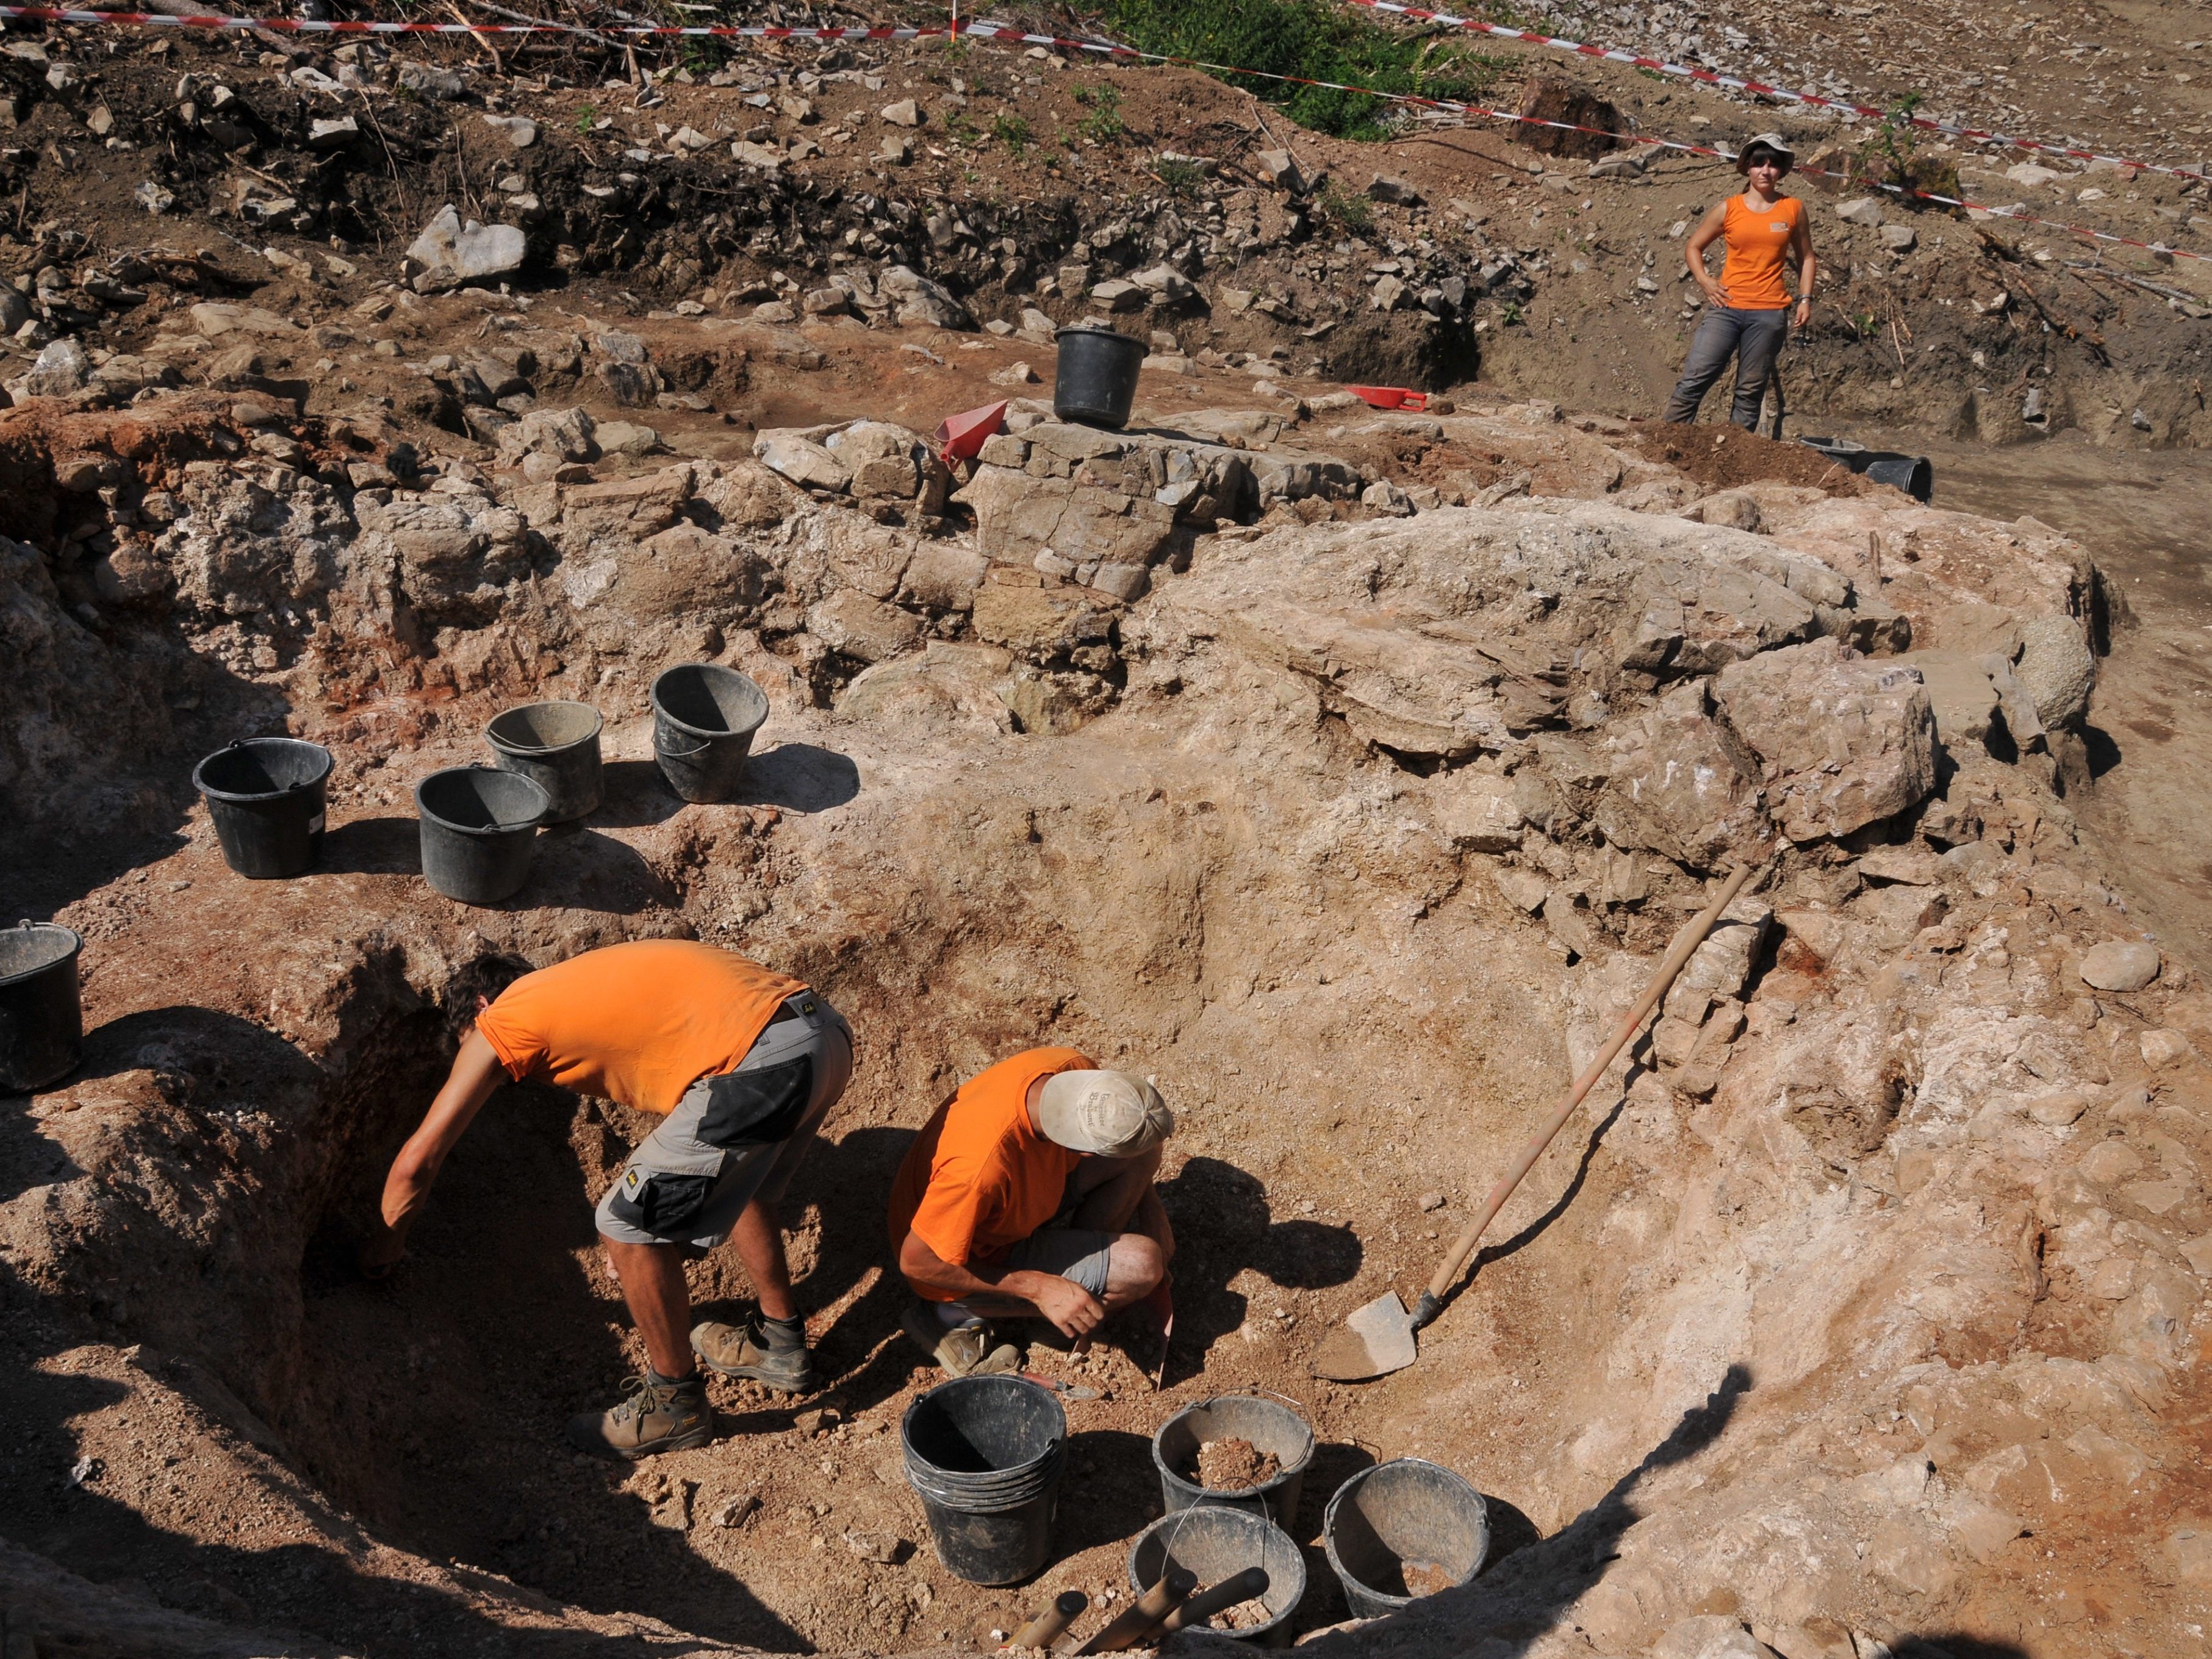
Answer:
(757, 1350)
(966, 1350)
(654, 1415)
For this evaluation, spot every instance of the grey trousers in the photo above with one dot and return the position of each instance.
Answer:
(1754, 338)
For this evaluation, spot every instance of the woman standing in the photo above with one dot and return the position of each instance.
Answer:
(1746, 309)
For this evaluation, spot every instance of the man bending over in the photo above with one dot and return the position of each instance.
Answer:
(1029, 1194)
(741, 1064)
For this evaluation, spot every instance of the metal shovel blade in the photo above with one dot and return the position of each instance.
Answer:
(1374, 1341)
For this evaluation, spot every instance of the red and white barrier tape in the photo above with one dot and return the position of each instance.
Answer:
(1737, 83)
(633, 31)
(1009, 36)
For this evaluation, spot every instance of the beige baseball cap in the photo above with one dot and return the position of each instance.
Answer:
(1110, 1114)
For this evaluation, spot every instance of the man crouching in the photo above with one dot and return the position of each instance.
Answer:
(739, 1063)
(1029, 1194)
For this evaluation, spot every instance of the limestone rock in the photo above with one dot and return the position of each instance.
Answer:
(903, 113)
(1040, 623)
(569, 435)
(1055, 704)
(1678, 786)
(61, 368)
(1476, 810)
(1845, 741)
(1384, 187)
(1707, 1635)
(850, 621)
(918, 300)
(1863, 210)
(802, 461)
(2057, 668)
(217, 318)
(2120, 965)
(452, 252)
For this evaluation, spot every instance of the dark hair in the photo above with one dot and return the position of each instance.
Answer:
(486, 977)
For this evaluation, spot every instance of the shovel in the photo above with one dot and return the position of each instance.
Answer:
(1378, 1339)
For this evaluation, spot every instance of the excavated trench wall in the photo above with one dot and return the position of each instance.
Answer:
(1380, 827)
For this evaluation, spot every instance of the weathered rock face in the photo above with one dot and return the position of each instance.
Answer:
(1843, 742)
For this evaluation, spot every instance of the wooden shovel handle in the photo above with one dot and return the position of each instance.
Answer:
(1686, 943)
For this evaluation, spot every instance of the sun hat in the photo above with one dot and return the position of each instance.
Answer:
(1767, 140)
(1110, 1114)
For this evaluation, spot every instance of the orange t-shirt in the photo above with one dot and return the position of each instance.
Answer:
(637, 1023)
(979, 1179)
(1758, 248)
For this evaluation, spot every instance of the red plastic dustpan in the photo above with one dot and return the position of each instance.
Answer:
(961, 437)
(1390, 397)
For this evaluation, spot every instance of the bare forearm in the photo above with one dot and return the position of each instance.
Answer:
(925, 1270)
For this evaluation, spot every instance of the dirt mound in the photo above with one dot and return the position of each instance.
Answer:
(1233, 1464)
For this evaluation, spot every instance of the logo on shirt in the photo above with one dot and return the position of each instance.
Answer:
(1778, 226)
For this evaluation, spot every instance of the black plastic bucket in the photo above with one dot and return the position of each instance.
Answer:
(41, 1020)
(266, 797)
(1407, 1516)
(1097, 379)
(704, 717)
(1913, 474)
(1270, 1426)
(556, 746)
(1215, 1543)
(986, 1453)
(479, 831)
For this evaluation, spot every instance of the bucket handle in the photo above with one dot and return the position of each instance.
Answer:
(666, 748)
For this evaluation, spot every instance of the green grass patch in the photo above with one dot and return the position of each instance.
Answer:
(1313, 40)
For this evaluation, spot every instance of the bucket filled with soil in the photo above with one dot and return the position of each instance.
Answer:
(266, 797)
(41, 1017)
(1239, 1451)
(1213, 1542)
(1402, 1530)
(986, 1454)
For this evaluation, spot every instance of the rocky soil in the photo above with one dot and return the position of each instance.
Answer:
(1346, 770)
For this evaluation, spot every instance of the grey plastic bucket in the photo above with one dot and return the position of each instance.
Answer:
(556, 746)
(1270, 1426)
(1215, 1542)
(1913, 474)
(41, 1017)
(267, 798)
(704, 717)
(479, 830)
(1400, 1514)
(1095, 381)
(986, 1453)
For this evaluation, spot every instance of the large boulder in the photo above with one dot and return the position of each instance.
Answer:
(919, 299)
(1679, 785)
(2057, 668)
(1842, 741)
(452, 252)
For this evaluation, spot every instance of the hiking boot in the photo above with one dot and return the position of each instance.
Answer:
(966, 1350)
(753, 1351)
(654, 1415)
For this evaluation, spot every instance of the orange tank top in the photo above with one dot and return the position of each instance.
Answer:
(1758, 248)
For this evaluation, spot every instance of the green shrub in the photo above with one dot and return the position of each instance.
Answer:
(1349, 209)
(1011, 131)
(1313, 40)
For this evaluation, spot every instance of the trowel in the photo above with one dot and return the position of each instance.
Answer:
(1377, 1339)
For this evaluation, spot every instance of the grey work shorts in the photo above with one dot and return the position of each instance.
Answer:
(1076, 1254)
(734, 1137)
